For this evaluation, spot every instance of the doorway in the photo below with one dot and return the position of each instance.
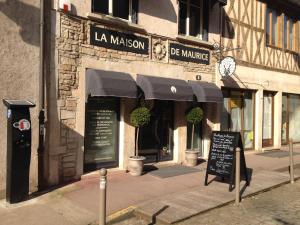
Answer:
(101, 133)
(156, 139)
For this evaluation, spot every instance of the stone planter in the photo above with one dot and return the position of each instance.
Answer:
(191, 158)
(136, 165)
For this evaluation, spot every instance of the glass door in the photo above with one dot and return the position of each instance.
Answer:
(101, 133)
(268, 119)
(156, 139)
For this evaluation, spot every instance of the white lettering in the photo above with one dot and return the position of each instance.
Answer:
(114, 40)
(103, 37)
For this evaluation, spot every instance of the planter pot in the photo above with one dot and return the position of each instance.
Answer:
(136, 165)
(191, 158)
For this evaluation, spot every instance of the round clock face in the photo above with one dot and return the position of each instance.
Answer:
(227, 66)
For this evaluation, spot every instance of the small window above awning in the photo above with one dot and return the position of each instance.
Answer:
(206, 92)
(164, 88)
(109, 83)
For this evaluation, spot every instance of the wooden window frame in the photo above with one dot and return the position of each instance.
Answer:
(187, 25)
(110, 10)
(279, 39)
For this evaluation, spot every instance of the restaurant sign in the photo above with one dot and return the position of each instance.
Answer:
(119, 41)
(188, 54)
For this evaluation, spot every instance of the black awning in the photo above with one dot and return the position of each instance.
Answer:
(109, 83)
(164, 88)
(206, 92)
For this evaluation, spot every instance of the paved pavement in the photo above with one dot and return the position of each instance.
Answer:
(278, 206)
(77, 203)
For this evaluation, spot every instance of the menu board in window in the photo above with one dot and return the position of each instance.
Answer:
(221, 160)
(101, 133)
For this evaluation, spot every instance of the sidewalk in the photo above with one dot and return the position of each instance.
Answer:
(77, 203)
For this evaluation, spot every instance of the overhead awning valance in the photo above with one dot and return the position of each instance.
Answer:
(109, 83)
(206, 92)
(164, 88)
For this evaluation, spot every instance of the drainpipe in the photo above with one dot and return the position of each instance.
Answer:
(41, 146)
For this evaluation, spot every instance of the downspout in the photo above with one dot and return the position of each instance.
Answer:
(41, 146)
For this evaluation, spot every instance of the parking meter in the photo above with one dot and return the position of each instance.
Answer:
(18, 149)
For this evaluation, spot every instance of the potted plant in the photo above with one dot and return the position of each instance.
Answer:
(194, 116)
(139, 117)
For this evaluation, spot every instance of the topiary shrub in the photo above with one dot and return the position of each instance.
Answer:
(194, 116)
(139, 117)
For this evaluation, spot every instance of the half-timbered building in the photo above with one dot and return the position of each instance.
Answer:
(262, 99)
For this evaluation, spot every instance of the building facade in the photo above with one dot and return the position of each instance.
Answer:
(129, 44)
(262, 99)
(106, 57)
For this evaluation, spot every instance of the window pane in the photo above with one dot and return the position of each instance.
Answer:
(267, 117)
(135, 9)
(268, 25)
(121, 8)
(205, 22)
(274, 27)
(248, 120)
(182, 17)
(284, 117)
(291, 31)
(197, 136)
(100, 6)
(194, 21)
(294, 117)
(225, 115)
(248, 111)
(236, 111)
(285, 31)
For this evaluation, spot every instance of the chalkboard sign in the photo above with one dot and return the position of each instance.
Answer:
(221, 160)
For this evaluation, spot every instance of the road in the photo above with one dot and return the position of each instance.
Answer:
(277, 206)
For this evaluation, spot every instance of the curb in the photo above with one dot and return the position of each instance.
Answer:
(121, 215)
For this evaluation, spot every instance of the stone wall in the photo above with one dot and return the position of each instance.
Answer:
(19, 72)
(72, 46)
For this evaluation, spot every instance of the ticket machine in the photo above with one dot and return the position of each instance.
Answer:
(18, 149)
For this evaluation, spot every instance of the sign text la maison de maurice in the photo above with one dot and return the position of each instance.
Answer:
(129, 42)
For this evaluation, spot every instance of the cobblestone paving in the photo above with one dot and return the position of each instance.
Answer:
(279, 206)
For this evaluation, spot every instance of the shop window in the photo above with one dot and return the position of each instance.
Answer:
(281, 30)
(125, 9)
(290, 118)
(193, 18)
(197, 141)
(238, 114)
